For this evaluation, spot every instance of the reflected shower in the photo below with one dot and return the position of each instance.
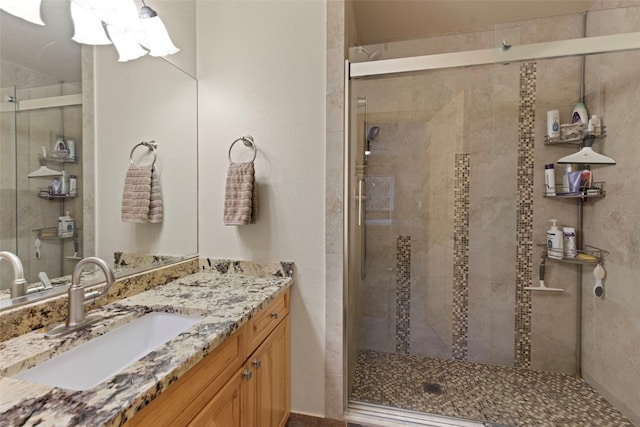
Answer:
(372, 134)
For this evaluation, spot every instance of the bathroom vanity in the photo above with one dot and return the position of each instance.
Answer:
(231, 367)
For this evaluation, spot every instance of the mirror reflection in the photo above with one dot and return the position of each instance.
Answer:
(50, 184)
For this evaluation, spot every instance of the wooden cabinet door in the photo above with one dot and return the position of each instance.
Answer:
(270, 365)
(226, 408)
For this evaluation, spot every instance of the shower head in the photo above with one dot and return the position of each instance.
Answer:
(371, 56)
(372, 133)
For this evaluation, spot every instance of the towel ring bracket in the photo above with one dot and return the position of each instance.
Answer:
(247, 140)
(151, 145)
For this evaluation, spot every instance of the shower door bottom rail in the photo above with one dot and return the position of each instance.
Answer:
(370, 414)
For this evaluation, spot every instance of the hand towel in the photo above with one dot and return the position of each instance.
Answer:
(136, 197)
(155, 206)
(239, 194)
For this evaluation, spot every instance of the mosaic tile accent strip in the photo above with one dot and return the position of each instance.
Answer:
(461, 256)
(524, 225)
(495, 394)
(403, 292)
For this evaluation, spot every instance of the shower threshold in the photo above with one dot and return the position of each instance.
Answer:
(364, 414)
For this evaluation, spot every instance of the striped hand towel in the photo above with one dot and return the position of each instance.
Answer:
(136, 196)
(240, 194)
(155, 206)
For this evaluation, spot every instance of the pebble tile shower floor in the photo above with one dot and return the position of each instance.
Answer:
(497, 394)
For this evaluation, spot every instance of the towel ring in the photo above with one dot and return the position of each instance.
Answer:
(248, 142)
(151, 145)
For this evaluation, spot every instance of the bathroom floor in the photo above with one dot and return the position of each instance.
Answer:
(504, 395)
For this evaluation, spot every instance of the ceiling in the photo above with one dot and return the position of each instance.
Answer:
(381, 21)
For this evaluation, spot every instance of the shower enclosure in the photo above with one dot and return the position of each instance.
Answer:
(446, 211)
(32, 118)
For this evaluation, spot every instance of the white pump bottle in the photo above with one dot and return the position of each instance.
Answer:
(554, 241)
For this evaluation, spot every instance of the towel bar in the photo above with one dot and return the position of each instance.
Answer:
(248, 142)
(151, 145)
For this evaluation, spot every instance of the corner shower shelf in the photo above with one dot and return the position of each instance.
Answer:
(595, 192)
(51, 233)
(588, 250)
(56, 196)
(572, 141)
(56, 159)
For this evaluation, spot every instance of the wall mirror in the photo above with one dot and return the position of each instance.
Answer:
(53, 90)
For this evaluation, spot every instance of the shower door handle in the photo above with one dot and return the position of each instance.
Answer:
(361, 199)
(360, 202)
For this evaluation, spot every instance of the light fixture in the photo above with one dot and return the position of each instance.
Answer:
(44, 171)
(126, 45)
(159, 42)
(29, 10)
(88, 28)
(133, 34)
(586, 155)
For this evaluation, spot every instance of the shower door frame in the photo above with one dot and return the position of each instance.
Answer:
(502, 55)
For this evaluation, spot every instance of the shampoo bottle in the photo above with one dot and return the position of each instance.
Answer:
(71, 146)
(554, 241)
(64, 186)
(596, 125)
(549, 180)
(570, 249)
(579, 114)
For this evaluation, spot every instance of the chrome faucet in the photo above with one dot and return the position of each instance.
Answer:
(19, 285)
(76, 319)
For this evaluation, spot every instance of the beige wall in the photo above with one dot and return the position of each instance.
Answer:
(611, 332)
(142, 100)
(261, 71)
(154, 101)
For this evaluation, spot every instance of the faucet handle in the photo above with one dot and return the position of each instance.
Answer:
(46, 283)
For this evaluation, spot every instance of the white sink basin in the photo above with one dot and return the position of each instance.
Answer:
(89, 364)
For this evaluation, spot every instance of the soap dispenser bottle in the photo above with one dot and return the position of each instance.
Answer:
(554, 241)
(66, 225)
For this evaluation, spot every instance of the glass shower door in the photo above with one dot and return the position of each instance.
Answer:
(431, 199)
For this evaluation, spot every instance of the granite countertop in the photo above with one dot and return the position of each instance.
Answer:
(226, 302)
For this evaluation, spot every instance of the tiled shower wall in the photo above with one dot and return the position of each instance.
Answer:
(458, 129)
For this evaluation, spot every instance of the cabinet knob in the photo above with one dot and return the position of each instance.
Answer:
(257, 363)
(247, 374)
(274, 314)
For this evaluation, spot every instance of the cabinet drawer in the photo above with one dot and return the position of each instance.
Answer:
(260, 326)
(184, 399)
